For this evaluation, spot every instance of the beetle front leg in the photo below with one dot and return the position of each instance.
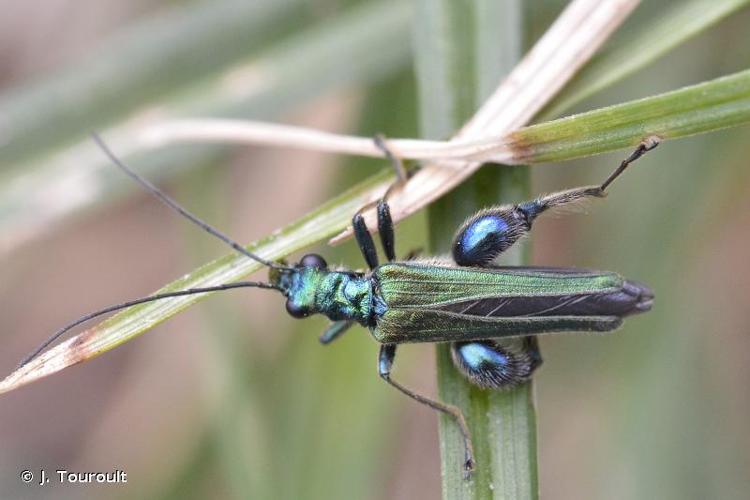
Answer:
(385, 363)
(385, 222)
(490, 232)
(334, 331)
(364, 240)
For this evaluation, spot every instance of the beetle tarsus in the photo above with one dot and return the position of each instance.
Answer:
(645, 146)
(469, 465)
(401, 173)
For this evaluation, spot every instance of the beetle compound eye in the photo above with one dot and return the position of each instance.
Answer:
(295, 310)
(487, 234)
(492, 366)
(313, 260)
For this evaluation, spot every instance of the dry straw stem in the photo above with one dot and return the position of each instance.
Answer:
(573, 38)
(289, 136)
(567, 45)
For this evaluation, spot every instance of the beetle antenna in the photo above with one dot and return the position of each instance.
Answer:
(171, 203)
(124, 305)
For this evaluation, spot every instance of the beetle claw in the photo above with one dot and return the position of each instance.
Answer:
(468, 468)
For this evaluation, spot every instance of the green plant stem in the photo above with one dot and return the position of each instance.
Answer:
(675, 24)
(453, 41)
(723, 102)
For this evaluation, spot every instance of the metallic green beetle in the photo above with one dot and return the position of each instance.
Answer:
(464, 300)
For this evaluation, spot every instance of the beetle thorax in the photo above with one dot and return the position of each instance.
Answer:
(339, 295)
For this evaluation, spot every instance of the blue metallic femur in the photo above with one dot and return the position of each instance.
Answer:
(487, 234)
(492, 366)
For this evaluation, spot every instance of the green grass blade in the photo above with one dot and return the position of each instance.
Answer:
(124, 326)
(661, 33)
(709, 106)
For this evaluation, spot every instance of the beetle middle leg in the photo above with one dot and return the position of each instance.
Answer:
(385, 363)
(490, 232)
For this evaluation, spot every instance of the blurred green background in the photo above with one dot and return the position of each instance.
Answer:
(234, 399)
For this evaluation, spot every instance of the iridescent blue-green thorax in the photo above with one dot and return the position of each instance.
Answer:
(339, 295)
